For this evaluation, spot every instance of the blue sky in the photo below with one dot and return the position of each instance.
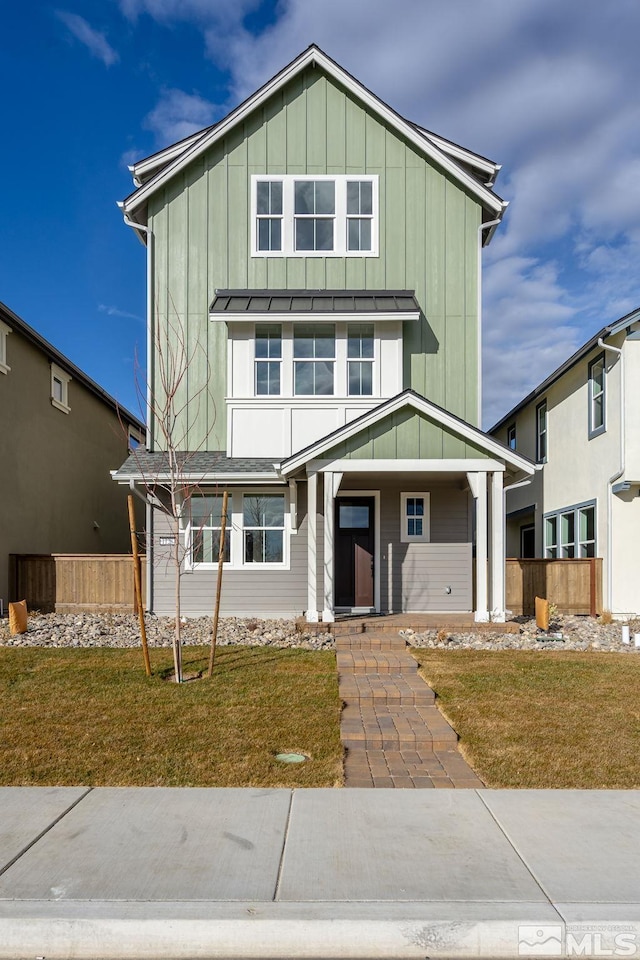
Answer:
(547, 88)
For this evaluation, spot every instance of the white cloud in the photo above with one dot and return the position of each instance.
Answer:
(116, 312)
(547, 89)
(92, 39)
(178, 114)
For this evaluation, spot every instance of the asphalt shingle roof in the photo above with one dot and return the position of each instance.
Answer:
(142, 463)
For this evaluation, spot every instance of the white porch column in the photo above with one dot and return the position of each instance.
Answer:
(478, 484)
(312, 554)
(497, 549)
(331, 484)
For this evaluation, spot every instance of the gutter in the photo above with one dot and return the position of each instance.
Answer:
(616, 476)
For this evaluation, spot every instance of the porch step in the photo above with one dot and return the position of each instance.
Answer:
(375, 662)
(384, 642)
(390, 690)
(417, 622)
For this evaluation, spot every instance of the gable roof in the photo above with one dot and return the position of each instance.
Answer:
(580, 354)
(16, 323)
(192, 147)
(408, 398)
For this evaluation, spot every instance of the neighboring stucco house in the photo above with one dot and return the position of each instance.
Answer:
(325, 254)
(60, 435)
(581, 425)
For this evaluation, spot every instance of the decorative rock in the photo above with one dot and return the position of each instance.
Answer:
(122, 630)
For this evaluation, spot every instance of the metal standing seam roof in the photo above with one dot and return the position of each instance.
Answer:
(233, 302)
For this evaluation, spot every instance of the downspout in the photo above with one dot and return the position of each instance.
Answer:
(483, 226)
(616, 476)
(149, 512)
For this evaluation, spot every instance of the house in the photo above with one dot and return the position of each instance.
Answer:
(318, 256)
(61, 435)
(580, 425)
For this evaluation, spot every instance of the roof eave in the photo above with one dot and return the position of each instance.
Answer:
(313, 55)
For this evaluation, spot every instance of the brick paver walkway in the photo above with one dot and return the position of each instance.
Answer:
(393, 733)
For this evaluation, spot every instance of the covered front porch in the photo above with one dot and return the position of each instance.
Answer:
(393, 528)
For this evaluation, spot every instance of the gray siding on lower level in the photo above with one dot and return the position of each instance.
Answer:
(435, 576)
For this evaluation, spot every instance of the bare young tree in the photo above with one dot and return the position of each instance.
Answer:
(168, 479)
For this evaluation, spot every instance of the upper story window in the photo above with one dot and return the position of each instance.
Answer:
(4, 332)
(597, 384)
(268, 360)
(511, 437)
(269, 214)
(314, 216)
(60, 389)
(360, 359)
(316, 359)
(314, 355)
(541, 432)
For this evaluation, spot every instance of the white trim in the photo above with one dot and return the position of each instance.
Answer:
(314, 317)
(462, 154)
(406, 466)
(312, 553)
(442, 417)
(482, 605)
(425, 536)
(245, 479)
(288, 216)
(328, 615)
(63, 378)
(4, 332)
(497, 549)
(314, 56)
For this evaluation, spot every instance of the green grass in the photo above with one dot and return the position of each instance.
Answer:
(92, 717)
(527, 719)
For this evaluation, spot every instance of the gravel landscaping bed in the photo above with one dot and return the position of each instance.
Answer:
(122, 630)
(565, 633)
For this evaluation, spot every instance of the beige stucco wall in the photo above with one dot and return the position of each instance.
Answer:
(54, 467)
(578, 467)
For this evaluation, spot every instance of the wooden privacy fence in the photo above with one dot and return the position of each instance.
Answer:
(74, 582)
(574, 585)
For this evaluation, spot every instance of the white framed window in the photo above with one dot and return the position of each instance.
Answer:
(314, 359)
(541, 432)
(4, 333)
(314, 215)
(571, 532)
(269, 215)
(414, 518)
(268, 359)
(263, 529)
(360, 341)
(511, 437)
(60, 380)
(597, 396)
(202, 523)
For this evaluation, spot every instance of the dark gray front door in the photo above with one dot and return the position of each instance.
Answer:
(354, 547)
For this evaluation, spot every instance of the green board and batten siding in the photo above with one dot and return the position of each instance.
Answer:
(405, 435)
(428, 242)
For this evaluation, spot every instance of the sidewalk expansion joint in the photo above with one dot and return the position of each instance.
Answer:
(44, 832)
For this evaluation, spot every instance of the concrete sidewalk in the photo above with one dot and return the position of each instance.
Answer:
(194, 873)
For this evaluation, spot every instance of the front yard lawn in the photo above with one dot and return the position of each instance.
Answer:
(542, 719)
(92, 717)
